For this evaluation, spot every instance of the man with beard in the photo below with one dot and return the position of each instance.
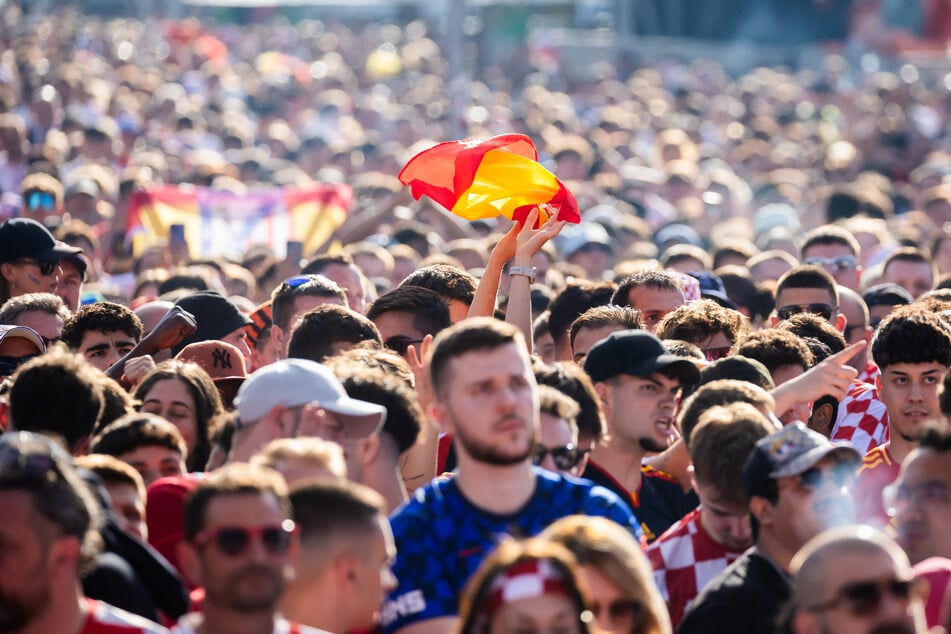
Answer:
(240, 545)
(856, 579)
(485, 395)
(49, 537)
(639, 384)
(919, 500)
(796, 481)
(913, 350)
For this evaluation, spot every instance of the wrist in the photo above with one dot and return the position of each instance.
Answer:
(520, 270)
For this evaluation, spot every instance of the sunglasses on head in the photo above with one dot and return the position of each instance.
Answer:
(26, 466)
(864, 598)
(834, 265)
(822, 310)
(9, 365)
(235, 540)
(620, 610)
(400, 343)
(40, 200)
(565, 457)
(815, 478)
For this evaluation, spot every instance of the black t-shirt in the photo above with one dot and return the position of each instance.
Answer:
(658, 503)
(746, 597)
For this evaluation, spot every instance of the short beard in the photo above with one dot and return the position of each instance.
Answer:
(18, 612)
(261, 601)
(505, 456)
(651, 445)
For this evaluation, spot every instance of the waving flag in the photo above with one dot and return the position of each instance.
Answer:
(500, 176)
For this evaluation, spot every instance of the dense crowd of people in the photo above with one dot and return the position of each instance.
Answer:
(718, 403)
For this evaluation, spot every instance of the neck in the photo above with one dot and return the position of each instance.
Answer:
(299, 606)
(622, 460)
(493, 488)
(385, 479)
(898, 447)
(217, 620)
(66, 615)
(771, 548)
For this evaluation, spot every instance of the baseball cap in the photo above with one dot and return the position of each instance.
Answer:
(296, 382)
(790, 451)
(887, 294)
(574, 237)
(711, 287)
(7, 330)
(636, 353)
(26, 238)
(216, 316)
(221, 360)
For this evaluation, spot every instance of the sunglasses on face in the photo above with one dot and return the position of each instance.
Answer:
(46, 267)
(822, 310)
(40, 200)
(235, 540)
(816, 478)
(565, 458)
(864, 598)
(620, 610)
(712, 354)
(9, 365)
(897, 497)
(834, 265)
(399, 344)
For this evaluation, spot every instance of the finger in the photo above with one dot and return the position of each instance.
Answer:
(531, 218)
(839, 358)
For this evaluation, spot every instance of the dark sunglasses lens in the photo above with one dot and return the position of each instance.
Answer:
(276, 540)
(788, 311)
(862, 598)
(566, 457)
(539, 453)
(812, 478)
(46, 267)
(232, 541)
(823, 310)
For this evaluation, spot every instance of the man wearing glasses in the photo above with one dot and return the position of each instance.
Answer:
(835, 250)
(240, 546)
(920, 500)
(298, 397)
(862, 418)
(29, 258)
(797, 484)
(854, 578)
(49, 534)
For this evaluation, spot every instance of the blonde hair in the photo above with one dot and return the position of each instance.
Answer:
(315, 452)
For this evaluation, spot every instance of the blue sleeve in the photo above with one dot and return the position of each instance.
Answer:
(425, 590)
(604, 502)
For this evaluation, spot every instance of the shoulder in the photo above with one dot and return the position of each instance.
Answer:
(108, 619)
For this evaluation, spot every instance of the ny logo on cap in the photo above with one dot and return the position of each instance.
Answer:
(221, 358)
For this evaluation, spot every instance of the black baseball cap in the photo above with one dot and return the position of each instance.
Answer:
(636, 353)
(215, 314)
(26, 238)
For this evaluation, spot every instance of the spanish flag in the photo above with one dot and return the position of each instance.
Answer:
(500, 176)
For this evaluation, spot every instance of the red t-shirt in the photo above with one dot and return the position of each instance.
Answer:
(878, 470)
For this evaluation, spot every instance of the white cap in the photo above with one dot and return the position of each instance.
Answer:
(7, 330)
(296, 382)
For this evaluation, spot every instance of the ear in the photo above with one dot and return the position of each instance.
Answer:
(841, 322)
(821, 419)
(692, 474)
(190, 563)
(878, 382)
(273, 421)
(6, 270)
(277, 336)
(762, 510)
(63, 556)
(773, 319)
(439, 413)
(604, 396)
(369, 448)
(346, 569)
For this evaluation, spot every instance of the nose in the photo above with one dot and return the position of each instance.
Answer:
(740, 530)
(915, 392)
(112, 357)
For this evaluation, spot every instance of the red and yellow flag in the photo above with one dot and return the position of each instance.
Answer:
(500, 176)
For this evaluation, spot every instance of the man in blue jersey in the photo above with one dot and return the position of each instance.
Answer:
(486, 396)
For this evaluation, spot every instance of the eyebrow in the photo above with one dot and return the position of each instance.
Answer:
(158, 402)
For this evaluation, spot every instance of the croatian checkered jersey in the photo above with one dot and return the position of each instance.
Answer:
(862, 420)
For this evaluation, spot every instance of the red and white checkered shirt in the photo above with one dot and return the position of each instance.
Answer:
(862, 420)
(870, 374)
(685, 558)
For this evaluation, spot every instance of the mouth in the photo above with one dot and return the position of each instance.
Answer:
(665, 427)
(911, 534)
